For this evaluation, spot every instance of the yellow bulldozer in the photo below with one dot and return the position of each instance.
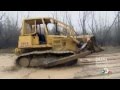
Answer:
(47, 42)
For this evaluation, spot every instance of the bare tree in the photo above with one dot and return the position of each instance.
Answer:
(93, 25)
(117, 28)
(110, 27)
(2, 15)
(102, 30)
(68, 19)
(98, 29)
(28, 14)
(83, 17)
(16, 25)
(9, 32)
(54, 14)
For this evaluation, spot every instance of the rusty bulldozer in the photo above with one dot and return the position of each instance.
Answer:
(47, 42)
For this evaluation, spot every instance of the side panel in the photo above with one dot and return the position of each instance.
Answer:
(35, 40)
(27, 41)
(70, 44)
(61, 43)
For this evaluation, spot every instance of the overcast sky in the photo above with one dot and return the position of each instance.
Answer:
(74, 15)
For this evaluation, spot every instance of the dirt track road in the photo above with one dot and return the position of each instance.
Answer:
(87, 68)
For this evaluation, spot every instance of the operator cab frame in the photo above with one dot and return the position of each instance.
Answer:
(40, 27)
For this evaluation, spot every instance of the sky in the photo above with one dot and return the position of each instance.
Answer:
(109, 15)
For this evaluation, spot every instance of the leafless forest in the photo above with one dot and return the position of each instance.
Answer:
(105, 34)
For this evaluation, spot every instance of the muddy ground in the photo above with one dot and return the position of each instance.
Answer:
(90, 67)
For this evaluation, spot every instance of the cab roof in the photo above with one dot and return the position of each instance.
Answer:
(39, 20)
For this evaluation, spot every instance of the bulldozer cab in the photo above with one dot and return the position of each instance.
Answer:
(34, 28)
(46, 32)
(47, 25)
(43, 27)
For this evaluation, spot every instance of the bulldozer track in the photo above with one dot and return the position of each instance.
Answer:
(47, 56)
